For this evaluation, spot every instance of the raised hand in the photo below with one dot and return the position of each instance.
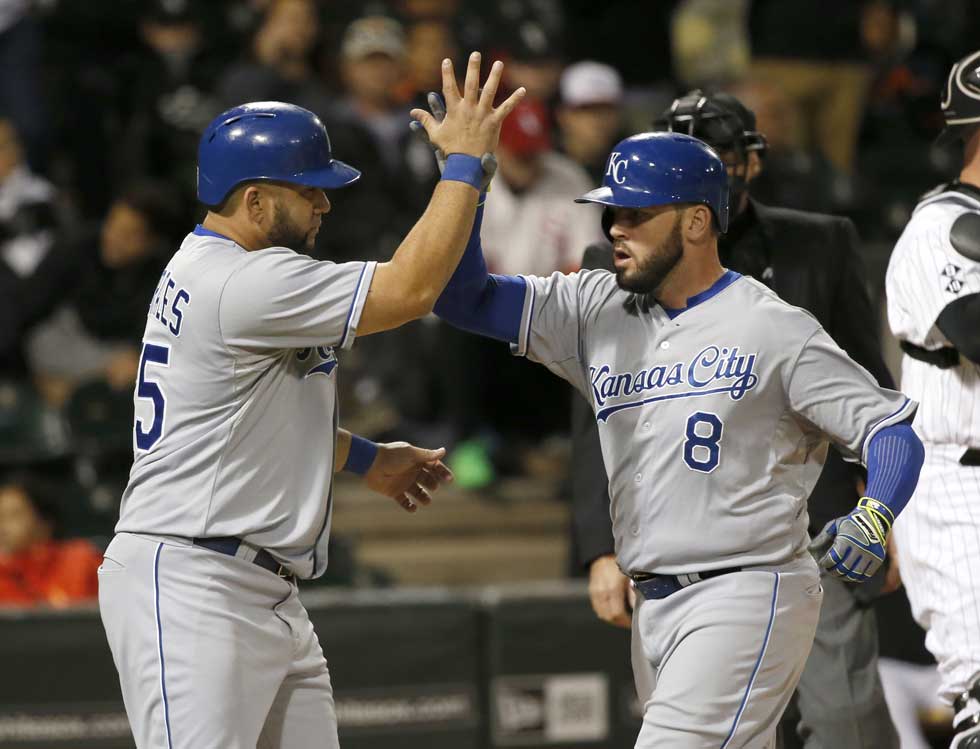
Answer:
(472, 124)
(488, 161)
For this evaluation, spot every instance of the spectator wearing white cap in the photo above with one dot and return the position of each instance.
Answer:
(590, 114)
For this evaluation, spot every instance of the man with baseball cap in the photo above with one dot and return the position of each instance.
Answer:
(530, 224)
(589, 114)
(811, 261)
(236, 434)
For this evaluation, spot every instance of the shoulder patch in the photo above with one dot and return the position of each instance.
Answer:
(965, 235)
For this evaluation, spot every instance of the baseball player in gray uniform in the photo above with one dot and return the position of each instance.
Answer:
(715, 402)
(933, 287)
(236, 436)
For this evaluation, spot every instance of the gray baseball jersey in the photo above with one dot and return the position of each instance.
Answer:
(713, 421)
(236, 400)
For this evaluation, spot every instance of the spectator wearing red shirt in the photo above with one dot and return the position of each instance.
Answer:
(36, 569)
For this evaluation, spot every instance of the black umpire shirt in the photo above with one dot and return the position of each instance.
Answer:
(811, 260)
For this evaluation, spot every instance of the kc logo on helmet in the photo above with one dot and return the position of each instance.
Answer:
(616, 167)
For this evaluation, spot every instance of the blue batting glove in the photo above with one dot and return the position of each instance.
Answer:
(853, 547)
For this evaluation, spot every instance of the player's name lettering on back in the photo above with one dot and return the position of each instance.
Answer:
(169, 302)
(712, 365)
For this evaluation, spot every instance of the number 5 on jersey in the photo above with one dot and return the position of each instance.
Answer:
(702, 450)
(153, 354)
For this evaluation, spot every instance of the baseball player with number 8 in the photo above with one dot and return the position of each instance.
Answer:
(715, 401)
(236, 434)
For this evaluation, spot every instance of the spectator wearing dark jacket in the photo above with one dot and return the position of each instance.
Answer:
(108, 279)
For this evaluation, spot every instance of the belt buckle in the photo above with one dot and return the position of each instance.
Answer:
(283, 571)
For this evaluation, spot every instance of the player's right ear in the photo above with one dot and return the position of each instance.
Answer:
(255, 204)
(696, 223)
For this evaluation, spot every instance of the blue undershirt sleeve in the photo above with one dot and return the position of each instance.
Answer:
(474, 300)
(895, 456)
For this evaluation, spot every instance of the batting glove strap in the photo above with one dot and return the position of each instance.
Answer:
(853, 547)
(878, 517)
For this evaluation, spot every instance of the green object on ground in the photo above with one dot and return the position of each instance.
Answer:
(470, 462)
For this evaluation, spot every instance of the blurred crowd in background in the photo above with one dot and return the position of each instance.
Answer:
(102, 104)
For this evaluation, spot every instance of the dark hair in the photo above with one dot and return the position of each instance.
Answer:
(160, 204)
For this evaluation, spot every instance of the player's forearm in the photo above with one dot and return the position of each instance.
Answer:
(481, 303)
(353, 453)
(427, 257)
(341, 450)
(895, 456)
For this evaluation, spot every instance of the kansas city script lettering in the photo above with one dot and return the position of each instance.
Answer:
(710, 369)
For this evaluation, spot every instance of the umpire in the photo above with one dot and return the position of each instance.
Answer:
(811, 260)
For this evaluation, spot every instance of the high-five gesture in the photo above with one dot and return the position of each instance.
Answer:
(471, 124)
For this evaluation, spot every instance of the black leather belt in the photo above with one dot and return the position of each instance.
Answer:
(971, 457)
(229, 545)
(943, 358)
(661, 586)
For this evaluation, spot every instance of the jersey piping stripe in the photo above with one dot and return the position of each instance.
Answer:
(758, 662)
(353, 304)
(530, 319)
(881, 424)
(156, 609)
(523, 337)
(329, 510)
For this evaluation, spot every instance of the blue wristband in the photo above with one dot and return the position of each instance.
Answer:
(461, 167)
(361, 455)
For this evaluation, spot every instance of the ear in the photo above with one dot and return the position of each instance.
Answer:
(754, 167)
(696, 223)
(255, 203)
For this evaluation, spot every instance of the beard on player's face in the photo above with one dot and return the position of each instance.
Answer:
(651, 271)
(285, 232)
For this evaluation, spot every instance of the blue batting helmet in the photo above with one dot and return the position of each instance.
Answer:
(662, 168)
(266, 140)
